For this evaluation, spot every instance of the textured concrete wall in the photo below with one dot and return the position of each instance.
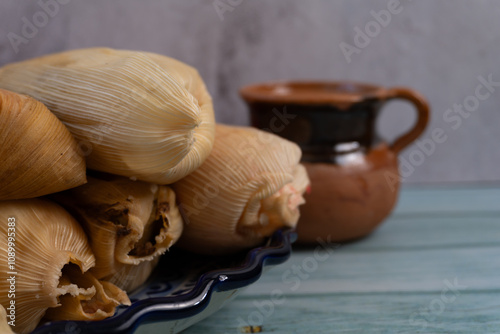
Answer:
(439, 47)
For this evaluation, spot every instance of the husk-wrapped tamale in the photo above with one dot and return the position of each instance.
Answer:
(39, 155)
(250, 186)
(44, 267)
(133, 113)
(129, 225)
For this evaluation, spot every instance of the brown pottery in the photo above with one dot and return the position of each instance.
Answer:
(354, 175)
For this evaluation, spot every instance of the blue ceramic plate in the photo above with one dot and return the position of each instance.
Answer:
(184, 289)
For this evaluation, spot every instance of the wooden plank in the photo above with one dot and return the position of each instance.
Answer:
(452, 199)
(431, 232)
(465, 312)
(415, 270)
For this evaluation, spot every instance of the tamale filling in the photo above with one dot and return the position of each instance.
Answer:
(155, 231)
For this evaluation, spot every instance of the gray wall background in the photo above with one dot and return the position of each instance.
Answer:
(438, 47)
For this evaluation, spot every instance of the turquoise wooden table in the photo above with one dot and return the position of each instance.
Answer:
(432, 267)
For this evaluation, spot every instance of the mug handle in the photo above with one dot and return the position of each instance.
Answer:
(422, 108)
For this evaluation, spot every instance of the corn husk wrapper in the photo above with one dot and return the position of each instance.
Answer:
(250, 186)
(134, 114)
(51, 267)
(4, 326)
(39, 155)
(132, 276)
(129, 225)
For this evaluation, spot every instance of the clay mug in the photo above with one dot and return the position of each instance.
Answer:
(354, 175)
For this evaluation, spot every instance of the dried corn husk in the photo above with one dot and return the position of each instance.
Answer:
(79, 295)
(48, 242)
(129, 225)
(135, 114)
(250, 185)
(131, 276)
(39, 155)
(4, 326)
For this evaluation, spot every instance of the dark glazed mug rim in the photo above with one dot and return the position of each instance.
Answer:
(312, 92)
